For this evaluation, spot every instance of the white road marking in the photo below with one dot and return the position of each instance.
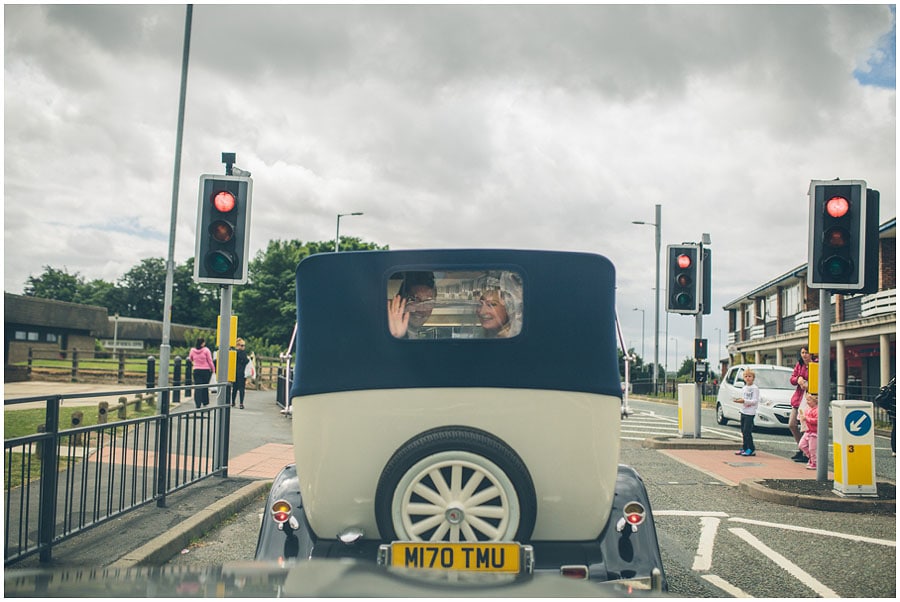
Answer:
(726, 587)
(859, 538)
(690, 513)
(779, 560)
(708, 527)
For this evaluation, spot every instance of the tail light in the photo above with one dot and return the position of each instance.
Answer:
(633, 514)
(281, 511)
(574, 571)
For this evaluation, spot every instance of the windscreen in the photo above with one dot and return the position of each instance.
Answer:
(455, 304)
(773, 379)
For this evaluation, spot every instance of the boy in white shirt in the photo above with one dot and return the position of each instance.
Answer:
(750, 401)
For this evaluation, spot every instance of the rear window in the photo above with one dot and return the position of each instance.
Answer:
(455, 304)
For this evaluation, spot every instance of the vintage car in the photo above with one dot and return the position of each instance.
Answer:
(460, 410)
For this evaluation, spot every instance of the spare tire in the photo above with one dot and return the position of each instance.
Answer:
(455, 484)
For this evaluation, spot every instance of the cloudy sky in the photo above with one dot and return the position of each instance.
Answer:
(464, 126)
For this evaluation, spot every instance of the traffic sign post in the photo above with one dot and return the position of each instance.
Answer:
(854, 448)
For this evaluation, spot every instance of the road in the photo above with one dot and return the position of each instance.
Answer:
(715, 541)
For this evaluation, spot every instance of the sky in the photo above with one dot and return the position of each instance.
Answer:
(503, 126)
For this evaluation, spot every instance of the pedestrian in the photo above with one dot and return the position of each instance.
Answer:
(240, 377)
(202, 361)
(800, 379)
(750, 401)
(810, 439)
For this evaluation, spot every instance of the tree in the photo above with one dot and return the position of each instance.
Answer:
(101, 293)
(54, 284)
(143, 288)
(193, 304)
(267, 305)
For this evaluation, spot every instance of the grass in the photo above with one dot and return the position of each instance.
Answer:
(21, 423)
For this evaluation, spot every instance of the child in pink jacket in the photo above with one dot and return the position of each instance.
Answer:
(810, 439)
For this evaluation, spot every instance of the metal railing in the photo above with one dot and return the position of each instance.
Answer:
(60, 482)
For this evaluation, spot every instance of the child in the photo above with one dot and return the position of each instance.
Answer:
(810, 439)
(750, 399)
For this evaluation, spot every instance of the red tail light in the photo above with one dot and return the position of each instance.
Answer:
(281, 511)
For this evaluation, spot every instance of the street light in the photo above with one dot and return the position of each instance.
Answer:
(658, 226)
(643, 357)
(337, 234)
(719, 330)
(676, 366)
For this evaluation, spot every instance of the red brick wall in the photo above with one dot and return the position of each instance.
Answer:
(888, 271)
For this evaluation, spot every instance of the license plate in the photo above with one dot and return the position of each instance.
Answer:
(493, 557)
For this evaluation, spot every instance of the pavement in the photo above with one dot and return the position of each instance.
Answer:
(253, 464)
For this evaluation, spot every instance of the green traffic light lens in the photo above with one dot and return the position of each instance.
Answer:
(684, 300)
(220, 262)
(836, 267)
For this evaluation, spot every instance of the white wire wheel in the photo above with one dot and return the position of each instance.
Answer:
(455, 485)
(455, 496)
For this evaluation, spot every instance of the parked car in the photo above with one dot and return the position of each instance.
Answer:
(775, 391)
(460, 410)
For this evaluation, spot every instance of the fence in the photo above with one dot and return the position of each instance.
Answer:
(75, 365)
(63, 481)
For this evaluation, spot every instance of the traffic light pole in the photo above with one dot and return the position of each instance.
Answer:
(224, 357)
(824, 383)
(698, 395)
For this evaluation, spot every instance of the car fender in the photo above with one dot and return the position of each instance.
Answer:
(284, 543)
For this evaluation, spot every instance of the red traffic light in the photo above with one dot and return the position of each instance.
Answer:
(224, 201)
(683, 261)
(837, 206)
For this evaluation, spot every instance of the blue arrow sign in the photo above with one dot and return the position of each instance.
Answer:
(858, 423)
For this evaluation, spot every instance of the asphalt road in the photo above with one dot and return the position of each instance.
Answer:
(715, 541)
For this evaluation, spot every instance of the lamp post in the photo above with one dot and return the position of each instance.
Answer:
(642, 331)
(658, 226)
(719, 330)
(676, 357)
(337, 234)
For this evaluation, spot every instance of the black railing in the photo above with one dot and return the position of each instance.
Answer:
(60, 482)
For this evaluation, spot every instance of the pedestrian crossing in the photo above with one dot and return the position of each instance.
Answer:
(643, 424)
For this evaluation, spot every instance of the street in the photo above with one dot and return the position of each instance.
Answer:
(715, 541)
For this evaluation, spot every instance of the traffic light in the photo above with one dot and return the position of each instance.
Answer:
(683, 279)
(700, 349)
(223, 229)
(842, 224)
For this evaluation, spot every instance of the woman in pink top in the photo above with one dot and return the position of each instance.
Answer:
(202, 362)
(800, 379)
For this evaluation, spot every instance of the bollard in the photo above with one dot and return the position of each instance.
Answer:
(30, 360)
(102, 411)
(74, 365)
(122, 410)
(120, 374)
(138, 402)
(151, 370)
(176, 380)
(188, 377)
(77, 420)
